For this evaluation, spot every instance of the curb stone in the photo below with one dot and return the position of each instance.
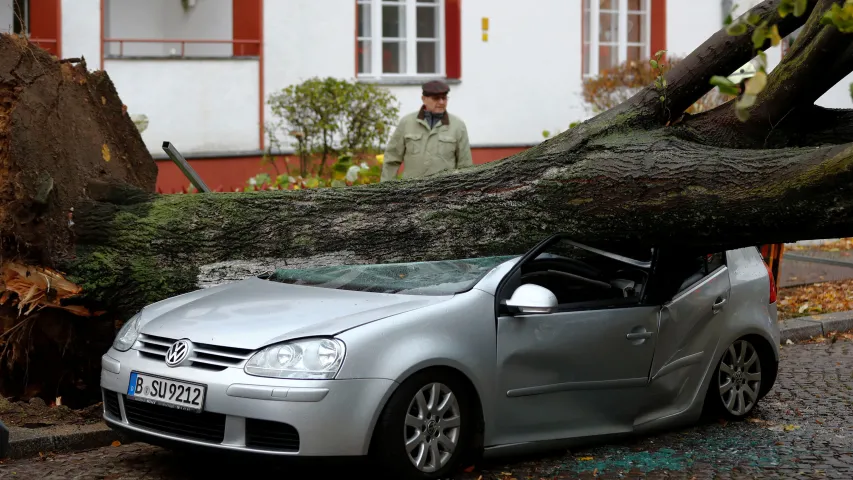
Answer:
(803, 328)
(29, 442)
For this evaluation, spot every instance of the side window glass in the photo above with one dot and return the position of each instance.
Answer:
(700, 267)
(715, 261)
(580, 278)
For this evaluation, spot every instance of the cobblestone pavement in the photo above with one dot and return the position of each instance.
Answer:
(802, 429)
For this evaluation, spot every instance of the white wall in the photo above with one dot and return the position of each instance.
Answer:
(838, 96)
(166, 19)
(81, 31)
(513, 86)
(525, 79)
(7, 16)
(303, 39)
(690, 23)
(199, 105)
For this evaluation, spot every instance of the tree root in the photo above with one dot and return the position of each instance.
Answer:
(33, 288)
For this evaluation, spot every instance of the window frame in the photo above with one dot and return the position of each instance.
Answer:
(411, 38)
(591, 9)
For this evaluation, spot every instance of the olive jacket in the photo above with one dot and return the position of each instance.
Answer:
(423, 150)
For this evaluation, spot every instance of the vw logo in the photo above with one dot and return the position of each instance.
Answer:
(178, 353)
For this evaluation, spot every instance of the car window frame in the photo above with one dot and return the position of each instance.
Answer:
(504, 292)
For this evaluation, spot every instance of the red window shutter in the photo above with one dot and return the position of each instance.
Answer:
(453, 38)
(246, 23)
(658, 33)
(46, 25)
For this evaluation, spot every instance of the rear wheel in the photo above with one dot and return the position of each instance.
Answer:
(426, 429)
(737, 384)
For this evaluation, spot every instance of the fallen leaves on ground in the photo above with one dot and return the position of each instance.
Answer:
(815, 299)
(826, 246)
(830, 337)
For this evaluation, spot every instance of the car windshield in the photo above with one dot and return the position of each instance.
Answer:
(444, 277)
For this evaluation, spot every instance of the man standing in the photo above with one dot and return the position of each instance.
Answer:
(428, 141)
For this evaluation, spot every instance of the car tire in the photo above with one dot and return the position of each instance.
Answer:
(738, 381)
(429, 430)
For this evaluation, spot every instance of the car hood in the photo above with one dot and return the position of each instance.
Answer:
(253, 313)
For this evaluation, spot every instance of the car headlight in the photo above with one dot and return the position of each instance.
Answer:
(126, 337)
(315, 358)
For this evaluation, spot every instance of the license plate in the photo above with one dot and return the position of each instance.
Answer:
(166, 391)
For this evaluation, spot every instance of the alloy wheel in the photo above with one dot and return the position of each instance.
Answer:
(432, 427)
(739, 378)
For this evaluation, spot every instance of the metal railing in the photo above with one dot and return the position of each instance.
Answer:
(39, 41)
(183, 42)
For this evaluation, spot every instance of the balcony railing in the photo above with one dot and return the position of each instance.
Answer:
(236, 53)
(49, 44)
(241, 50)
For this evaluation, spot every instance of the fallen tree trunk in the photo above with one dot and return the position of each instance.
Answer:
(635, 176)
(636, 190)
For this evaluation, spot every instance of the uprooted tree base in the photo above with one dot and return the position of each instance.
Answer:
(635, 176)
(61, 126)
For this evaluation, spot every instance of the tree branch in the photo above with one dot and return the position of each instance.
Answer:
(784, 114)
(795, 81)
(721, 54)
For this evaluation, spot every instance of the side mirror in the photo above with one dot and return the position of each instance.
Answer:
(532, 298)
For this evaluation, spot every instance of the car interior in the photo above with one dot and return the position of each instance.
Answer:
(582, 279)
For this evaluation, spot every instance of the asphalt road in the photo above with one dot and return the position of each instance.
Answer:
(802, 429)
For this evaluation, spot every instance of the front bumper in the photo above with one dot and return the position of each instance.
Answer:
(313, 418)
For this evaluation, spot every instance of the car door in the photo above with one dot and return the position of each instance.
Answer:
(572, 373)
(686, 337)
(576, 370)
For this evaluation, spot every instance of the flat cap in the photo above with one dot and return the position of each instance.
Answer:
(435, 87)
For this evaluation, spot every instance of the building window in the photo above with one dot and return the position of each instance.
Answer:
(615, 31)
(403, 38)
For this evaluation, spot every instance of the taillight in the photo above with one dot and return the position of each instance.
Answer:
(772, 284)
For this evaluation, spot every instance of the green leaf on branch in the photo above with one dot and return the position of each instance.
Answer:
(737, 29)
(746, 100)
(797, 7)
(756, 84)
(775, 38)
(840, 17)
(741, 113)
(726, 86)
(759, 35)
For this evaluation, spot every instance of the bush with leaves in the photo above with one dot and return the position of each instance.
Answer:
(330, 117)
(618, 84)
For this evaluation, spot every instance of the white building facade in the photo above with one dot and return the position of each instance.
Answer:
(201, 70)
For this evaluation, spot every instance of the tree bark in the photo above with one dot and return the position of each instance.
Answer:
(630, 178)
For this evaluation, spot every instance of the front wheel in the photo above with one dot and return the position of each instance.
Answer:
(736, 386)
(426, 429)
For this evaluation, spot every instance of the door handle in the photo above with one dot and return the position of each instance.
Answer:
(718, 305)
(638, 335)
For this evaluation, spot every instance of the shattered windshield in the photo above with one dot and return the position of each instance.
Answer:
(445, 277)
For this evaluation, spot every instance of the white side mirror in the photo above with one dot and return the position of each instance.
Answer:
(532, 298)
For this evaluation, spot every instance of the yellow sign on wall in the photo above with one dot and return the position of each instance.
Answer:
(485, 25)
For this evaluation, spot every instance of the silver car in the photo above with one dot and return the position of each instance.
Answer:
(426, 366)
